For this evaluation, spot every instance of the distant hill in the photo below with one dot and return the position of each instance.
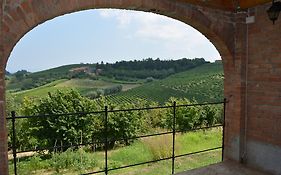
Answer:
(128, 71)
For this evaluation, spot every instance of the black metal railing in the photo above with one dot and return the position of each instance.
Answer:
(13, 118)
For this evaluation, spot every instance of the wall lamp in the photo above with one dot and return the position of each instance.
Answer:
(274, 10)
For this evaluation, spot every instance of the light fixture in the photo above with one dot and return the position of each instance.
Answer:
(274, 10)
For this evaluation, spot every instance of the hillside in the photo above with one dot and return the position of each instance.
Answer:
(126, 71)
(203, 83)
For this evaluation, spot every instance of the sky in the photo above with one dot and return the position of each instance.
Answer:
(108, 35)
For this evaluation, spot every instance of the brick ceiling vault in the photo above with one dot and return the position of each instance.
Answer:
(228, 5)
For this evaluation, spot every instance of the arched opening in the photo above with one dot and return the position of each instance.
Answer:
(199, 21)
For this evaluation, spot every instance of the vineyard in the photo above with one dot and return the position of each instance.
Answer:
(204, 83)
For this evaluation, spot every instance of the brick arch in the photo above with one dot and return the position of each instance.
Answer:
(21, 16)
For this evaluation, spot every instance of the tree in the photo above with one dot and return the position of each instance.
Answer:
(64, 130)
(124, 125)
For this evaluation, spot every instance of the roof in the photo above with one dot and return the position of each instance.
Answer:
(229, 5)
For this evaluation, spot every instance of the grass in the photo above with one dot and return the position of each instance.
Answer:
(39, 91)
(75, 162)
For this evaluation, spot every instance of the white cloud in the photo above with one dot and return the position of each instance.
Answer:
(152, 26)
(123, 17)
(177, 36)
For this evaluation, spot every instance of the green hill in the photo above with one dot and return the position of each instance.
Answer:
(203, 83)
(23, 80)
(128, 71)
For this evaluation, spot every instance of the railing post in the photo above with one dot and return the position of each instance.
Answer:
(106, 139)
(14, 141)
(174, 137)
(223, 128)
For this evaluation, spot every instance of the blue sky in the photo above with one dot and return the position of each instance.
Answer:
(107, 35)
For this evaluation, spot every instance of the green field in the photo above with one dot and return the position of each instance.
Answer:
(203, 83)
(75, 162)
(82, 85)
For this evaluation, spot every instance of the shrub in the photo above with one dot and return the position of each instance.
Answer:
(124, 125)
(186, 117)
(60, 130)
(70, 159)
(192, 117)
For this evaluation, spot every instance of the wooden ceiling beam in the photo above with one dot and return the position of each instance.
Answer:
(244, 4)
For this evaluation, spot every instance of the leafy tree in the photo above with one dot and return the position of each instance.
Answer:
(60, 130)
(124, 125)
(209, 115)
(191, 117)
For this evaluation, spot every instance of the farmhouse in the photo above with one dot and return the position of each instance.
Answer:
(81, 70)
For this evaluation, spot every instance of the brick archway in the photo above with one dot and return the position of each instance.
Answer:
(20, 16)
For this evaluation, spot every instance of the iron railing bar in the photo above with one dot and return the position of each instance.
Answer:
(174, 138)
(223, 130)
(169, 132)
(142, 136)
(85, 113)
(200, 104)
(106, 139)
(109, 139)
(163, 107)
(94, 172)
(198, 152)
(197, 129)
(64, 146)
(142, 163)
(132, 165)
(57, 115)
(14, 141)
(117, 110)
(139, 109)
(158, 160)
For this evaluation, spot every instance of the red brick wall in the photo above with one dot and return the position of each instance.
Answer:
(227, 31)
(264, 79)
(3, 131)
(264, 92)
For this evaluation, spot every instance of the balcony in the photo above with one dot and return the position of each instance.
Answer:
(173, 112)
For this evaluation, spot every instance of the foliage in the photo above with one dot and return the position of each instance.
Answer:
(186, 117)
(60, 130)
(148, 68)
(70, 159)
(71, 129)
(124, 125)
(191, 117)
(11, 105)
